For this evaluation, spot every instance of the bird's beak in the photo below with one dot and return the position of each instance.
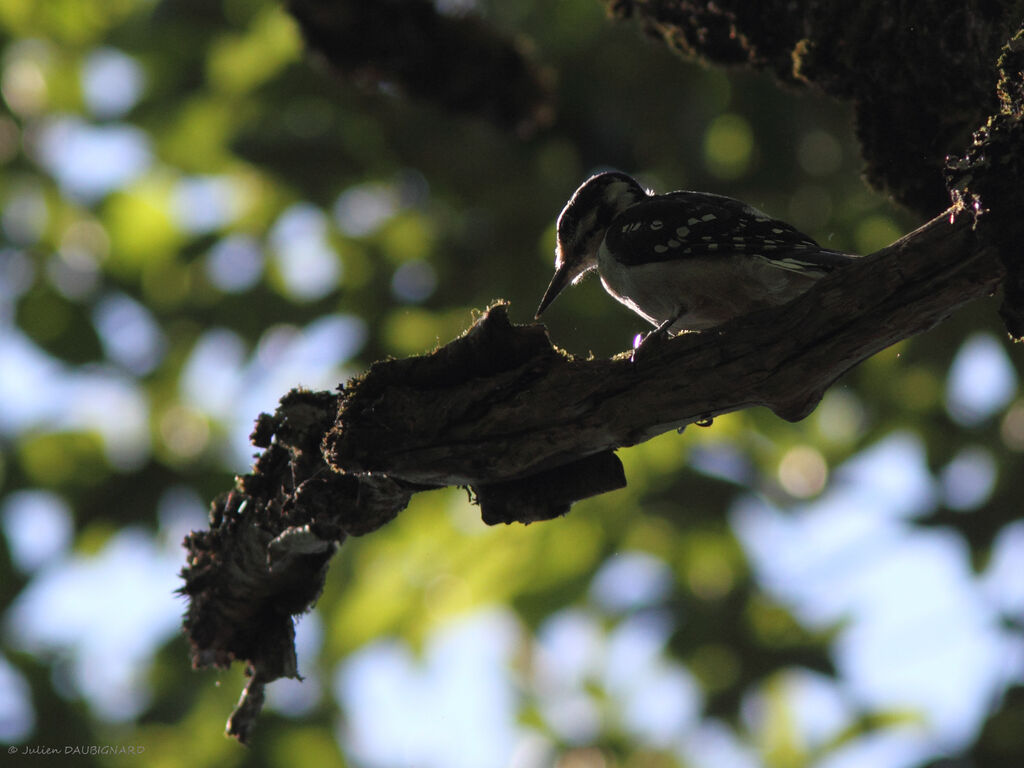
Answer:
(561, 279)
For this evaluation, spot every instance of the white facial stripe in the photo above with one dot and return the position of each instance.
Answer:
(616, 191)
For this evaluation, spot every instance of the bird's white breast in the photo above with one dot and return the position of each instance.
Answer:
(711, 290)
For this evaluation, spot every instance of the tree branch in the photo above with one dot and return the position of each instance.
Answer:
(483, 410)
(529, 428)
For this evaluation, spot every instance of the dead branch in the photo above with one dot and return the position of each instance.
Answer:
(501, 404)
(529, 428)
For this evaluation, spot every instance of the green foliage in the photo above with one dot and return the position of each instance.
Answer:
(397, 220)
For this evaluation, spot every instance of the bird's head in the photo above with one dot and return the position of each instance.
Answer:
(582, 225)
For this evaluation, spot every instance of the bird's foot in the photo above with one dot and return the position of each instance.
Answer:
(652, 340)
(648, 343)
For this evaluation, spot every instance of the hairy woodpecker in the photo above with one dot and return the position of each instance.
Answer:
(682, 260)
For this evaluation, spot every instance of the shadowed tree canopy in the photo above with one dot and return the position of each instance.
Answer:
(528, 428)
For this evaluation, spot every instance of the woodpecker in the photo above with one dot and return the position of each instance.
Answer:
(682, 260)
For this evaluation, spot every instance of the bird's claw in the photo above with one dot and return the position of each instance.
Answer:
(647, 342)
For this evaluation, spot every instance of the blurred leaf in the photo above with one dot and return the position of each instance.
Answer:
(240, 63)
(61, 327)
(57, 459)
(305, 746)
(141, 229)
(70, 21)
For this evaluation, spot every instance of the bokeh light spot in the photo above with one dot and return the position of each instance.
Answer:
(629, 581)
(981, 380)
(875, 232)
(414, 281)
(206, 203)
(17, 273)
(235, 263)
(130, 335)
(969, 479)
(23, 81)
(819, 153)
(710, 574)
(90, 161)
(185, 431)
(840, 418)
(74, 274)
(363, 209)
(1011, 429)
(25, 214)
(38, 527)
(803, 472)
(306, 262)
(112, 82)
(17, 716)
(728, 146)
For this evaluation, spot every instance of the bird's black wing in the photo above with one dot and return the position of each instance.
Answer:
(681, 225)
